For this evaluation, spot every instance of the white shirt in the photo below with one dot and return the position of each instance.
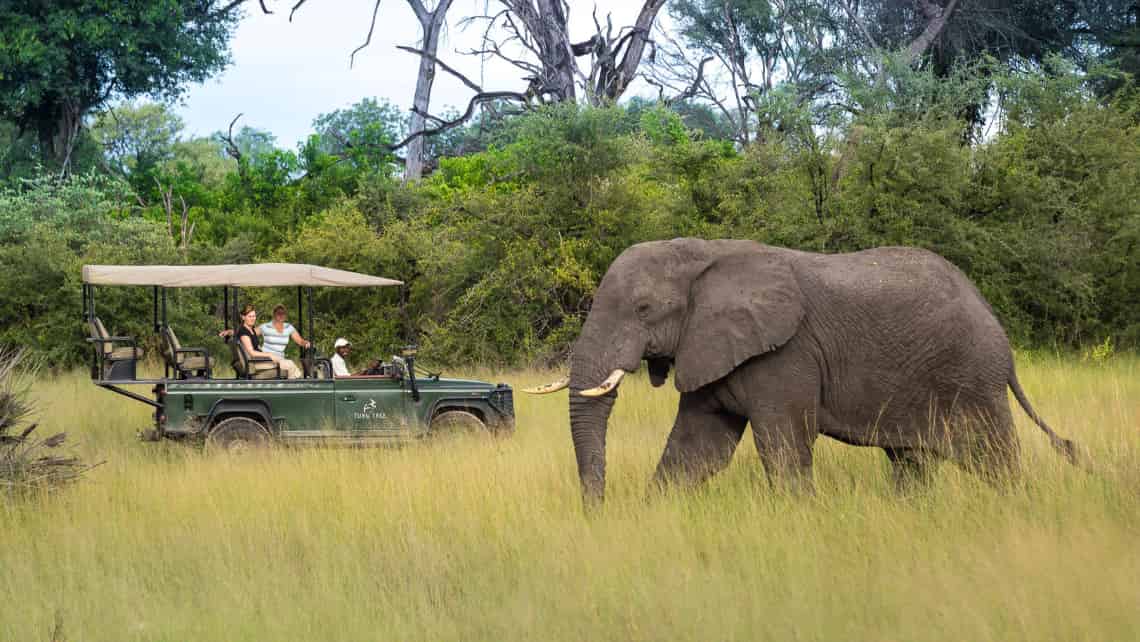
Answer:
(338, 366)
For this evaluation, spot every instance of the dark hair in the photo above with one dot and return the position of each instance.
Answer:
(279, 308)
(247, 308)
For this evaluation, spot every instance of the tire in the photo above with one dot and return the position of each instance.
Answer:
(456, 422)
(237, 435)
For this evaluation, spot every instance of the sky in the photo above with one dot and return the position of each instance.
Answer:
(283, 75)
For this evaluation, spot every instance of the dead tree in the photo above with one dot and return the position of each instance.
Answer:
(533, 35)
(540, 28)
(431, 22)
(186, 228)
(431, 27)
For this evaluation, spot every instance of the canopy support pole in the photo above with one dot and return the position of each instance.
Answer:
(306, 355)
(156, 326)
(301, 309)
(165, 365)
(310, 293)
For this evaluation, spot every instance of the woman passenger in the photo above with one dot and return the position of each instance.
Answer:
(247, 335)
(277, 333)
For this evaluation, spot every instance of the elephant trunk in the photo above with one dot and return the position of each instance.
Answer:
(598, 353)
(589, 418)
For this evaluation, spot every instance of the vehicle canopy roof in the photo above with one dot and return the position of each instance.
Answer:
(251, 275)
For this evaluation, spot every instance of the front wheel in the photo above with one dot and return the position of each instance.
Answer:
(237, 435)
(456, 422)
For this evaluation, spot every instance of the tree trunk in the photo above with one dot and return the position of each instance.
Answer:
(937, 18)
(58, 136)
(431, 22)
(558, 51)
(626, 71)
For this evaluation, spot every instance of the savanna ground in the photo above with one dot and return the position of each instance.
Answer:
(478, 539)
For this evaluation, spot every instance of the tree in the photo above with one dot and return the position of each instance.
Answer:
(431, 28)
(60, 59)
(136, 138)
(361, 133)
(1109, 30)
(754, 46)
(431, 25)
(946, 33)
(541, 29)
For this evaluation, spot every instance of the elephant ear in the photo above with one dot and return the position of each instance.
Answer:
(742, 305)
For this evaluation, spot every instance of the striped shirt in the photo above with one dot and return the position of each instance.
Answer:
(275, 342)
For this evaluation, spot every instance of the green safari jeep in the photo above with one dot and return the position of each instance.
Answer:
(260, 404)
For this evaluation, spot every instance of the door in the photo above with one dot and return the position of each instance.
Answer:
(371, 406)
(302, 407)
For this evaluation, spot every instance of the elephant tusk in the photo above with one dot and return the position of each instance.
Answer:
(609, 384)
(548, 388)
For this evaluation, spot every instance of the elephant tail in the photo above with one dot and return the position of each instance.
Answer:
(1066, 447)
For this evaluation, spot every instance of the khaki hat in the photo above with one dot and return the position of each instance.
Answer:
(341, 342)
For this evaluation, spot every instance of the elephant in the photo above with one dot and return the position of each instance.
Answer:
(891, 347)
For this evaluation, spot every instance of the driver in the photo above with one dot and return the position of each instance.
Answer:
(343, 348)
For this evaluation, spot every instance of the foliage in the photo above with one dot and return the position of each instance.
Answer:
(500, 249)
(360, 134)
(136, 138)
(48, 231)
(59, 60)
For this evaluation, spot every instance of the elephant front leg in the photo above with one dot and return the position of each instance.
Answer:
(702, 442)
(911, 468)
(784, 442)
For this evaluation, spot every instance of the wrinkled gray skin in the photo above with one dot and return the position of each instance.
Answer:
(891, 347)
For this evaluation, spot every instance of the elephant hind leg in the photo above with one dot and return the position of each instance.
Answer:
(701, 444)
(987, 445)
(911, 468)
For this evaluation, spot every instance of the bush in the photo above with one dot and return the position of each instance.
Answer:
(28, 464)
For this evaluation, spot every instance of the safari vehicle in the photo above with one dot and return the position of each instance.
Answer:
(258, 404)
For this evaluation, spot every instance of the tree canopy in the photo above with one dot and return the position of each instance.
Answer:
(60, 59)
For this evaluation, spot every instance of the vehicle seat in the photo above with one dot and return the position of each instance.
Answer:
(115, 357)
(248, 367)
(314, 365)
(186, 362)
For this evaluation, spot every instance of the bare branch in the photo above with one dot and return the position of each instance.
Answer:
(422, 14)
(585, 47)
(445, 125)
(851, 13)
(463, 79)
(692, 90)
(234, 4)
(498, 53)
(368, 39)
(295, 7)
(231, 147)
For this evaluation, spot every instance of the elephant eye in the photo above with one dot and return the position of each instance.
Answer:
(642, 310)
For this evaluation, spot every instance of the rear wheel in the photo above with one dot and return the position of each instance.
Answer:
(237, 435)
(456, 422)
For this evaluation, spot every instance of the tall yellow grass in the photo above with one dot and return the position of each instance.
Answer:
(485, 540)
